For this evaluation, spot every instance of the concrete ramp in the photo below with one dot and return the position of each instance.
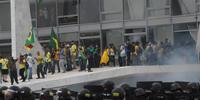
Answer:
(75, 77)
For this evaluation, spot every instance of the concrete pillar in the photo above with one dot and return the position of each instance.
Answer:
(21, 25)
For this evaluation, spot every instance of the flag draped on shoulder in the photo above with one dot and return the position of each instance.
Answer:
(53, 40)
(30, 41)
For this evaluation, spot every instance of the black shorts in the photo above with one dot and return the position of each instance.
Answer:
(4, 71)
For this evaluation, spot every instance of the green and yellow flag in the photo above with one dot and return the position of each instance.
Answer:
(30, 41)
(53, 40)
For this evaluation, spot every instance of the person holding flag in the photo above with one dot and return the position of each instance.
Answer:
(53, 44)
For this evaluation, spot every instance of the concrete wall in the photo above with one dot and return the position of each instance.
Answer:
(21, 26)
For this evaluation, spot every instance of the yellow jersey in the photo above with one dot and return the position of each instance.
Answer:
(39, 59)
(4, 63)
(48, 57)
(22, 64)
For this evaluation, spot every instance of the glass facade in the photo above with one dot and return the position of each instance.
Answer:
(67, 12)
(5, 20)
(157, 8)
(111, 13)
(46, 13)
(50, 13)
(89, 14)
(133, 10)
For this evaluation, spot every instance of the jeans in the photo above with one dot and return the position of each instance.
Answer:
(30, 73)
(56, 63)
(21, 73)
(13, 77)
(62, 63)
(40, 70)
(123, 61)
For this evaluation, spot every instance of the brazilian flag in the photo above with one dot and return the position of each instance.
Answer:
(30, 41)
(53, 40)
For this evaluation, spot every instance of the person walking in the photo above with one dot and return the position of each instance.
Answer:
(13, 70)
(39, 60)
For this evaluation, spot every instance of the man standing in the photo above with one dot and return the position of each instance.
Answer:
(90, 52)
(97, 56)
(48, 65)
(56, 59)
(68, 57)
(39, 60)
(82, 59)
(13, 70)
(62, 61)
(74, 54)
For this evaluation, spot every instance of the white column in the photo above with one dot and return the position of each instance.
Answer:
(13, 29)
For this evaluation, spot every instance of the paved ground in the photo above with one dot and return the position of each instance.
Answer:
(76, 77)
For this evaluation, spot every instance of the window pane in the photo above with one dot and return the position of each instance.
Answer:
(112, 37)
(88, 13)
(67, 12)
(67, 7)
(183, 7)
(33, 12)
(160, 33)
(114, 12)
(5, 20)
(158, 8)
(134, 9)
(47, 13)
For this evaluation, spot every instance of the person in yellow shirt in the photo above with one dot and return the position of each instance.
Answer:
(56, 59)
(73, 50)
(22, 66)
(48, 65)
(104, 58)
(39, 61)
(4, 70)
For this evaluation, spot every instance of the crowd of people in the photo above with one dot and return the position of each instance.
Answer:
(154, 90)
(70, 55)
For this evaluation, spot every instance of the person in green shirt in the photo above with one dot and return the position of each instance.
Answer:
(82, 59)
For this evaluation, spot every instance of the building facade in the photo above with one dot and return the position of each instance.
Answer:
(103, 22)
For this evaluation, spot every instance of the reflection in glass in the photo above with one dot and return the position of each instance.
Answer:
(46, 13)
(112, 13)
(134, 9)
(89, 14)
(157, 8)
(67, 12)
